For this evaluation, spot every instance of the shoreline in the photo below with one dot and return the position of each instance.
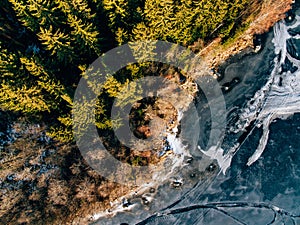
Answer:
(216, 53)
(220, 61)
(216, 56)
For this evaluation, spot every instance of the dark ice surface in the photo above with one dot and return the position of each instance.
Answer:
(268, 190)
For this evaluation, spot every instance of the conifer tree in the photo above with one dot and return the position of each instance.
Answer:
(26, 87)
(57, 43)
(79, 17)
(123, 16)
(45, 45)
(16, 92)
(159, 20)
(36, 13)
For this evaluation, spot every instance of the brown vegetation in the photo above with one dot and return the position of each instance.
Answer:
(262, 15)
(150, 118)
(143, 131)
(45, 182)
(270, 12)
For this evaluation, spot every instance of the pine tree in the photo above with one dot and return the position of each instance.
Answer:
(47, 44)
(36, 13)
(27, 87)
(9, 26)
(80, 17)
(57, 43)
(17, 92)
(160, 17)
(123, 16)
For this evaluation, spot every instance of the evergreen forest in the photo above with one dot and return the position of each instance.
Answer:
(47, 45)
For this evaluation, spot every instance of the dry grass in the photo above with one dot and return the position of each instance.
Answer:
(47, 183)
(261, 16)
(270, 12)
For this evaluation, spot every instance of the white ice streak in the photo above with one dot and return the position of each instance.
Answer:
(175, 143)
(274, 100)
(280, 34)
(270, 102)
(216, 153)
(262, 144)
(282, 101)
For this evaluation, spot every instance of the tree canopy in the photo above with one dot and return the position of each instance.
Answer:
(47, 45)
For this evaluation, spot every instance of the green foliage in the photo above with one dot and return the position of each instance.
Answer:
(123, 16)
(56, 42)
(47, 45)
(112, 86)
(186, 21)
(34, 13)
(27, 87)
(62, 131)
